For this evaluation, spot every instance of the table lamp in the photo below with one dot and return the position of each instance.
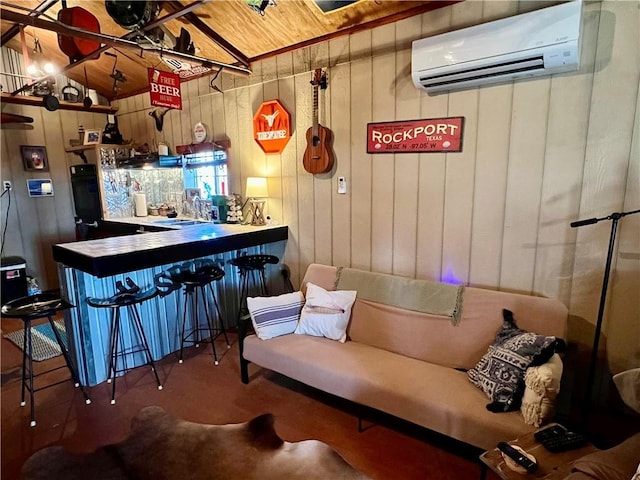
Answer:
(256, 193)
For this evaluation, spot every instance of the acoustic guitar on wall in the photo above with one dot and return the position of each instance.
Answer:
(318, 156)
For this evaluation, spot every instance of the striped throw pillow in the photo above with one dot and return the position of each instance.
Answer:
(275, 316)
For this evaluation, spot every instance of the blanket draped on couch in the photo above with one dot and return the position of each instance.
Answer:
(418, 295)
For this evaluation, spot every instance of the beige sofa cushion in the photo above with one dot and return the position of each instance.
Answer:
(435, 397)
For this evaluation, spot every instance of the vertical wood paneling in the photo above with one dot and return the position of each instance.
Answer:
(382, 186)
(492, 154)
(359, 176)
(305, 199)
(231, 129)
(607, 155)
(564, 163)
(341, 97)
(524, 184)
(460, 170)
(289, 179)
(623, 336)
(407, 98)
(322, 191)
(431, 173)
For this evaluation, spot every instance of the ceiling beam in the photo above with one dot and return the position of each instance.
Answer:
(15, 29)
(109, 40)
(212, 34)
(130, 35)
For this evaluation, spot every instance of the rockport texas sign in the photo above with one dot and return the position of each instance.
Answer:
(416, 136)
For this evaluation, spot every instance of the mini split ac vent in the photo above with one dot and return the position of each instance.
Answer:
(542, 42)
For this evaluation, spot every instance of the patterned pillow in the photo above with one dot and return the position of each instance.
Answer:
(275, 316)
(500, 372)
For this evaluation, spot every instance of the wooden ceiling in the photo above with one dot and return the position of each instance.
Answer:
(213, 25)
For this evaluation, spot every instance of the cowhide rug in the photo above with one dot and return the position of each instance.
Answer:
(163, 447)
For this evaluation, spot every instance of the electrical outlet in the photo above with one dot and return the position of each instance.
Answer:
(6, 185)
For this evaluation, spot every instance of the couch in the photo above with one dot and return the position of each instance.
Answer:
(620, 462)
(410, 364)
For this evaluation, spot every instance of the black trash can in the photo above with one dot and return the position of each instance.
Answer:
(14, 278)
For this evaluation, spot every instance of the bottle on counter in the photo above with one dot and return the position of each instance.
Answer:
(32, 286)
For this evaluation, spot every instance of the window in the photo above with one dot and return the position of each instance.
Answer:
(206, 171)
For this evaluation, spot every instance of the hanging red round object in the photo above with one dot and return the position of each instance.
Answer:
(272, 127)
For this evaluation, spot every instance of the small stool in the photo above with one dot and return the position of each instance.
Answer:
(196, 277)
(252, 271)
(31, 308)
(128, 298)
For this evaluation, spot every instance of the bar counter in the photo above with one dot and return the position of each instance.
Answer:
(110, 256)
(92, 268)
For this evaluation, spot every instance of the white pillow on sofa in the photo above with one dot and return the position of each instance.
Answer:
(275, 316)
(542, 384)
(326, 313)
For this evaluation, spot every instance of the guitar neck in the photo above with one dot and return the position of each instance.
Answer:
(315, 110)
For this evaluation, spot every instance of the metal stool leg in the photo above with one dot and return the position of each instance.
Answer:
(67, 359)
(222, 327)
(114, 358)
(145, 343)
(26, 332)
(187, 302)
(29, 351)
(209, 326)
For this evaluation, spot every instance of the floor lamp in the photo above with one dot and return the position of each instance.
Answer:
(614, 217)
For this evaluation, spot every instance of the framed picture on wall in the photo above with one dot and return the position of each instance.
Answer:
(34, 158)
(92, 137)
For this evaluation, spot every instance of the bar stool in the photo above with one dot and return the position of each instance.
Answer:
(252, 274)
(31, 308)
(196, 277)
(129, 298)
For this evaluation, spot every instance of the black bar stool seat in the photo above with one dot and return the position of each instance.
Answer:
(30, 308)
(196, 277)
(252, 277)
(128, 298)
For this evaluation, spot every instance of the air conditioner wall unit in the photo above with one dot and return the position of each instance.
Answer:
(541, 42)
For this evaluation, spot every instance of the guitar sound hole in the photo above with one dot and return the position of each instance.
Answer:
(316, 141)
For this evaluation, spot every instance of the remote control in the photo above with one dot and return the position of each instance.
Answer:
(518, 457)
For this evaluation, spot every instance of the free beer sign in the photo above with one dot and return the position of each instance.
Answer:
(164, 89)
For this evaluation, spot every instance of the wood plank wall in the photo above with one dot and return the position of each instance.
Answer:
(537, 155)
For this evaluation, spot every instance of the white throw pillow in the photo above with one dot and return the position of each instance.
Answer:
(542, 385)
(275, 316)
(326, 313)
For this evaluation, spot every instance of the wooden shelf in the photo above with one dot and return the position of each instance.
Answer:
(79, 148)
(38, 102)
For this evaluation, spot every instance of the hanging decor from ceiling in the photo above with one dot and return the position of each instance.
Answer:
(432, 135)
(164, 89)
(272, 127)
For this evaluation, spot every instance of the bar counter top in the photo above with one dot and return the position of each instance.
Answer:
(115, 255)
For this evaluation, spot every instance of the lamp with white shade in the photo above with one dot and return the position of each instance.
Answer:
(257, 193)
